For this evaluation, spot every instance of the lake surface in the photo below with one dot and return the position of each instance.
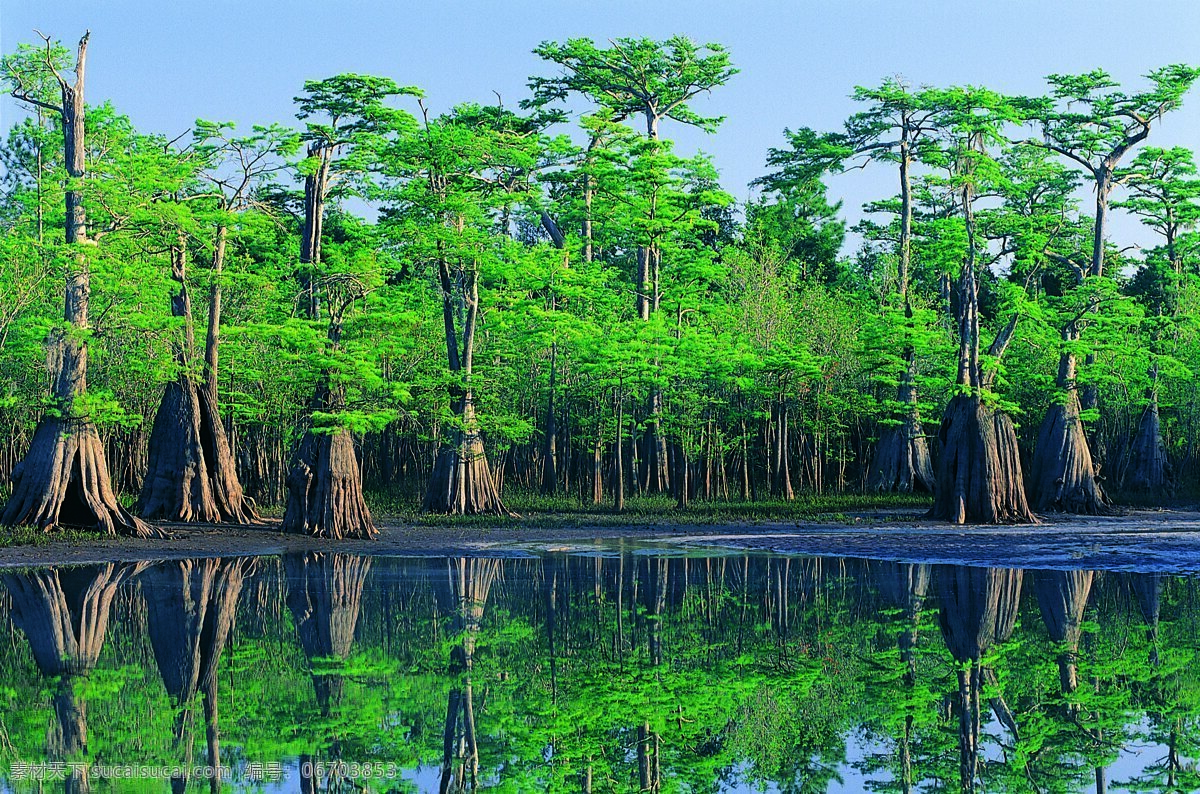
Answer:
(622, 669)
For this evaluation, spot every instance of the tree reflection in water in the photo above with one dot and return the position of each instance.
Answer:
(617, 671)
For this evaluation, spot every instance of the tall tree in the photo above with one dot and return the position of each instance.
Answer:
(655, 80)
(191, 473)
(1165, 194)
(979, 471)
(1089, 120)
(897, 126)
(347, 118)
(64, 477)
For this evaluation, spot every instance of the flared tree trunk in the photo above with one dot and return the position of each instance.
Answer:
(190, 606)
(1148, 467)
(902, 462)
(191, 474)
(979, 471)
(64, 479)
(1062, 597)
(462, 481)
(470, 583)
(979, 608)
(325, 497)
(1063, 475)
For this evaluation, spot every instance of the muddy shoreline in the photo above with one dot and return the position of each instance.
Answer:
(1140, 540)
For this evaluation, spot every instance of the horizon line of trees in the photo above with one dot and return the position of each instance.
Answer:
(437, 307)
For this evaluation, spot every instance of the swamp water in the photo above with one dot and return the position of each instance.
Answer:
(596, 670)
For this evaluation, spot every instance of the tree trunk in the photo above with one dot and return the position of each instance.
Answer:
(325, 497)
(597, 472)
(64, 478)
(462, 481)
(1063, 477)
(64, 614)
(1148, 466)
(191, 605)
(902, 461)
(781, 473)
(325, 598)
(550, 449)
(1062, 597)
(191, 475)
(979, 471)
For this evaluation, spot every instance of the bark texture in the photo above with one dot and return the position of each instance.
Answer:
(902, 462)
(979, 471)
(1063, 476)
(1148, 466)
(462, 481)
(64, 481)
(325, 497)
(191, 474)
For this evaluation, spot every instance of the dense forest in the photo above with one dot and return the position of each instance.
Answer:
(378, 305)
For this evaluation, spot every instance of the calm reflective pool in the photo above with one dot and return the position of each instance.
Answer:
(619, 671)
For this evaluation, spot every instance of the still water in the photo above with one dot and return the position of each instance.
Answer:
(623, 670)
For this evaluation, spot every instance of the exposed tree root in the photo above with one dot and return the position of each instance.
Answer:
(979, 471)
(63, 481)
(325, 497)
(1063, 476)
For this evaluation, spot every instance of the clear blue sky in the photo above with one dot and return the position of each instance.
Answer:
(166, 62)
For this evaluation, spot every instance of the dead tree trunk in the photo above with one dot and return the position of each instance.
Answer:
(64, 479)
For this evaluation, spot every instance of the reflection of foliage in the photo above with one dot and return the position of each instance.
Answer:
(757, 672)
